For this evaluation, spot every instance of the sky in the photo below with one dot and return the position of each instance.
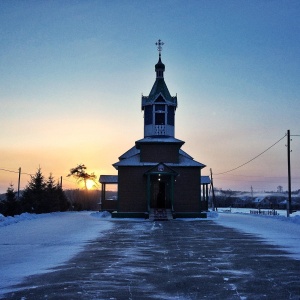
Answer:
(72, 74)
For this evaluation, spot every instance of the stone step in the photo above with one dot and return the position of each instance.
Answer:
(160, 215)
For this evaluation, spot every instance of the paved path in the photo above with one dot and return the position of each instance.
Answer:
(170, 260)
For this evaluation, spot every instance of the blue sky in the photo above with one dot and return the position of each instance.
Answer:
(72, 75)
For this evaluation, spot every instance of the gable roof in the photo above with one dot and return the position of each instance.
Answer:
(158, 139)
(165, 169)
(134, 161)
(159, 89)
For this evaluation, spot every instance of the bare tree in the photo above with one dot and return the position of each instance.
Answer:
(279, 189)
(80, 174)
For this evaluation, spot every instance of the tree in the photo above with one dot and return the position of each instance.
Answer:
(12, 204)
(50, 201)
(42, 196)
(34, 193)
(63, 201)
(55, 198)
(279, 189)
(80, 174)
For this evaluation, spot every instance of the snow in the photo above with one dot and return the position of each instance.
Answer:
(33, 244)
(278, 230)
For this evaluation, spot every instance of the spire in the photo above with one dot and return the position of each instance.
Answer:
(159, 67)
(159, 107)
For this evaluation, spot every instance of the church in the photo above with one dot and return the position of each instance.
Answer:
(156, 178)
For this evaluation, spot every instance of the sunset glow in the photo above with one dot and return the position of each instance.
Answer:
(72, 75)
(90, 184)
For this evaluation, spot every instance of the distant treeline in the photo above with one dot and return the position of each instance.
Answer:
(44, 196)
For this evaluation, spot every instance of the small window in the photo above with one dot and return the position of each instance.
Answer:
(159, 119)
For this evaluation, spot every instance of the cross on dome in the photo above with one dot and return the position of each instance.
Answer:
(159, 45)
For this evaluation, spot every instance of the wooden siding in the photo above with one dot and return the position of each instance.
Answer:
(132, 189)
(160, 153)
(187, 190)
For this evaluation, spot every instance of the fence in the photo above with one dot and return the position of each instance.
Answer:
(272, 212)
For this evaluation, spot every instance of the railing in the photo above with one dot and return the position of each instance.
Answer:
(160, 129)
(264, 212)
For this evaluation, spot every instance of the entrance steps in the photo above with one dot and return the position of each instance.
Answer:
(160, 214)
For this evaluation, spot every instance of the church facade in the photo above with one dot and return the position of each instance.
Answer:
(156, 175)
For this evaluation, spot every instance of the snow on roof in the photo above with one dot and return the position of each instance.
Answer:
(185, 154)
(205, 180)
(108, 179)
(134, 161)
(160, 139)
(132, 151)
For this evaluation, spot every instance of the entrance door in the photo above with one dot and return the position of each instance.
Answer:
(160, 192)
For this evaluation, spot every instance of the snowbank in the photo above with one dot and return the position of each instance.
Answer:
(33, 244)
(278, 230)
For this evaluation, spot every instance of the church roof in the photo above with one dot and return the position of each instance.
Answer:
(132, 151)
(159, 88)
(205, 180)
(108, 179)
(134, 161)
(159, 139)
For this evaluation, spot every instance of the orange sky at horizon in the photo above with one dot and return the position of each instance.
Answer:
(70, 92)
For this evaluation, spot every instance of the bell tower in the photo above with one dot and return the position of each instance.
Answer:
(159, 107)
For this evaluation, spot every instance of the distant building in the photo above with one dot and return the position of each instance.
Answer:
(156, 175)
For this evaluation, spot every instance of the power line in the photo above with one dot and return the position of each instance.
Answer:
(252, 158)
(9, 171)
(260, 176)
(17, 172)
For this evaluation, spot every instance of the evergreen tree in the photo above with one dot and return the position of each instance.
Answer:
(42, 196)
(50, 201)
(34, 193)
(64, 203)
(56, 199)
(12, 204)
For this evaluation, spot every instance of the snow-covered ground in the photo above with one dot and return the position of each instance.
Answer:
(278, 230)
(32, 244)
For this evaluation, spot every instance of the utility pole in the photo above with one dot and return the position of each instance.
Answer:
(61, 181)
(213, 191)
(289, 202)
(19, 183)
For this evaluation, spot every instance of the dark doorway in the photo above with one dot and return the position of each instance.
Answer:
(161, 196)
(160, 192)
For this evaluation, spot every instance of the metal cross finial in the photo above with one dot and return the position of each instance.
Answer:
(159, 45)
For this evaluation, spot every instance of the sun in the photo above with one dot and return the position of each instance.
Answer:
(90, 184)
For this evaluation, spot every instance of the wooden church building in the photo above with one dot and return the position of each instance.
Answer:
(156, 176)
